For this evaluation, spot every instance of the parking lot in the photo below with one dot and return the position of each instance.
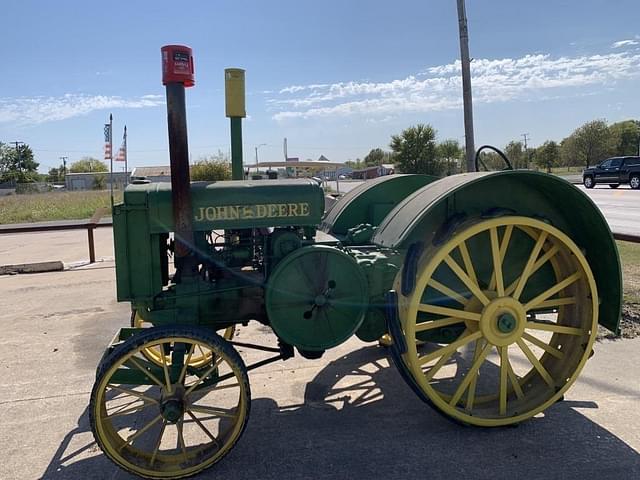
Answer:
(347, 415)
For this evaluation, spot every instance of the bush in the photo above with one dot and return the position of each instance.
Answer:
(211, 170)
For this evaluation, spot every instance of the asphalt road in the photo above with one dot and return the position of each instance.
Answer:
(347, 415)
(621, 207)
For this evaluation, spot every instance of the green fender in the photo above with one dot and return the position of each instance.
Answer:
(421, 215)
(370, 202)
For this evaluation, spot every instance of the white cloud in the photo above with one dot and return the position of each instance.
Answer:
(527, 78)
(624, 43)
(36, 110)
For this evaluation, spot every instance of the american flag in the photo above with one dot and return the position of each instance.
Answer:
(107, 141)
(122, 153)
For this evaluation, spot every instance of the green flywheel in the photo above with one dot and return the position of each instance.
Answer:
(316, 297)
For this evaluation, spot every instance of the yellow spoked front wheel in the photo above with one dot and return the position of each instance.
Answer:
(516, 301)
(154, 354)
(174, 420)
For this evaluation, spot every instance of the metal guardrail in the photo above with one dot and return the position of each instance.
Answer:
(90, 225)
(96, 221)
(626, 237)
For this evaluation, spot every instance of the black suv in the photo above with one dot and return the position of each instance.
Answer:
(614, 171)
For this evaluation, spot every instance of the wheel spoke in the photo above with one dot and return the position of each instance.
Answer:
(217, 387)
(183, 372)
(146, 372)
(167, 378)
(472, 285)
(544, 346)
(158, 442)
(526, 273)
(126, 411)
(552, 291)
(504, 371)
(449, 312)
(468, 264)
(536, 266)
(557, 302)
(553, 327)
(183, 447)
(515, 382)
(211, 411)
(546, 376)
(471, 394)
(447, 291)
(471, 374)
(453, 346)
(141, 431)
(444, 359)
(497, 261)
(205, 375)
(204, 429)
(503, 251)
(133, 393)
(421, 327)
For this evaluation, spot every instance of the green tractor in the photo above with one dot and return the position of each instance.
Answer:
(487, 287)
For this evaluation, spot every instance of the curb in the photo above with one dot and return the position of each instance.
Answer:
(39, 267)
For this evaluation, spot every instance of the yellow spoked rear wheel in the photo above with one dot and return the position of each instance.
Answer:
(171, 421)
(522, 301)
(154, 354)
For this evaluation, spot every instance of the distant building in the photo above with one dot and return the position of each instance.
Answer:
(332, 174)
(155, 174)
(87, 181)
(374, 172)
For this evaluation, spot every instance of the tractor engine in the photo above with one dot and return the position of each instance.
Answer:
(241, 231)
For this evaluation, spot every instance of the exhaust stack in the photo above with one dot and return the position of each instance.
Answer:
(178, 73)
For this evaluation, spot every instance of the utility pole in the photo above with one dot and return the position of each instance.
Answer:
(466, 86)
(526, 150)
(64, 166)
(257, 147)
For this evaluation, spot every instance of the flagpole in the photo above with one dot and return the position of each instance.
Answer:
(126, 170)
(111, 156)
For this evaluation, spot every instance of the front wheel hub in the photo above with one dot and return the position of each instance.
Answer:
(503, 321)
(172, 406)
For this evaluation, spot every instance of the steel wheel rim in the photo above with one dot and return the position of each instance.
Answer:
(588, 181)
(154, 355)
(189, 458)
(511, 403)
(635, 182)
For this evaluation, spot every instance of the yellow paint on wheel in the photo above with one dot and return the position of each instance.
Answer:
(520, 350)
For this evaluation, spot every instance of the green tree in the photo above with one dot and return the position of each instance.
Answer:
(54, 175)
(376, 157)
(625, 137)
(415, 150)
(516, 154)
(99, 181)
(450, 152)
(18, 164)
(547, 155)
(212, 168)
(355, 164)
(87, 165)
(589, 143)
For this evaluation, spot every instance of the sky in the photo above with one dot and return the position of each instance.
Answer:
(336, 78)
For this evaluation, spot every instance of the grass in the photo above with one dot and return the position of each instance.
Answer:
(39, 207)
(630, 259)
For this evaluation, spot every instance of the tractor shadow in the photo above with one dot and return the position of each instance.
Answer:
(360, 420)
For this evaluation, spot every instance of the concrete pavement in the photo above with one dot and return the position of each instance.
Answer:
(347, 415)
